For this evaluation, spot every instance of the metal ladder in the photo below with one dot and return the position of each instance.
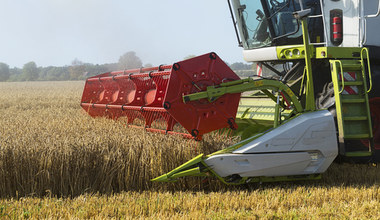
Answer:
(351, 101)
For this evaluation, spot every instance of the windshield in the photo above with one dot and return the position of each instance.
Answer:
(271, 22)
(252, 22)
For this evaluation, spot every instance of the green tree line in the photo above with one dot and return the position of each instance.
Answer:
(79, 70)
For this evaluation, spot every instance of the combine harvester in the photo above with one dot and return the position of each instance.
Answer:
(322, 102)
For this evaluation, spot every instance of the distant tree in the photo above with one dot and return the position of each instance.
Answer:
(15, 74)
(241, 66)
(189, 57)
(129, 60)
(57, 73)
(92, 70)
(30, 71)
(109, 67)
(44, 73)
(148, 65)
(4, 72)
(77, 70)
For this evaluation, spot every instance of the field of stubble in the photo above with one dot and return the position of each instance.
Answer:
(57, 162)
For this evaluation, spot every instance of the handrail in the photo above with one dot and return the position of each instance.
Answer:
(341, 74)
(369, 67)
(364, 39)
(374, 15)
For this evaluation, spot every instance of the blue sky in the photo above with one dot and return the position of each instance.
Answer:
(55, 32)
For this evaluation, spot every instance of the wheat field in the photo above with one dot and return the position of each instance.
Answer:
(57, 162)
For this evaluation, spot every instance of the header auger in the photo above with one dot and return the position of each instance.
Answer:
(323, 101)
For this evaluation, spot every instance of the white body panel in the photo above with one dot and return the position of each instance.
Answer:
(351, 21)
(304, 145)
(260, 54)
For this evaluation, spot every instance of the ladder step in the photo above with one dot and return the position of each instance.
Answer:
(352, 67)
(348, 100)
(358, 154)
(352, 83)
(357, 136)
(355, 118)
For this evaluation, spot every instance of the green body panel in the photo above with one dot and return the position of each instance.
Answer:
(309, 91)
(256, 114)
(337, 52)
(297, 52)
(291, 52)
(183, 170)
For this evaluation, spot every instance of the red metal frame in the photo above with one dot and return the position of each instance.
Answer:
(195, 75)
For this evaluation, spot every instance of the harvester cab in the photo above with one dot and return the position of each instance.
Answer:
(315, 100)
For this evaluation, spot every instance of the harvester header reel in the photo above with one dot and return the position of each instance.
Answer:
(156, 95)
